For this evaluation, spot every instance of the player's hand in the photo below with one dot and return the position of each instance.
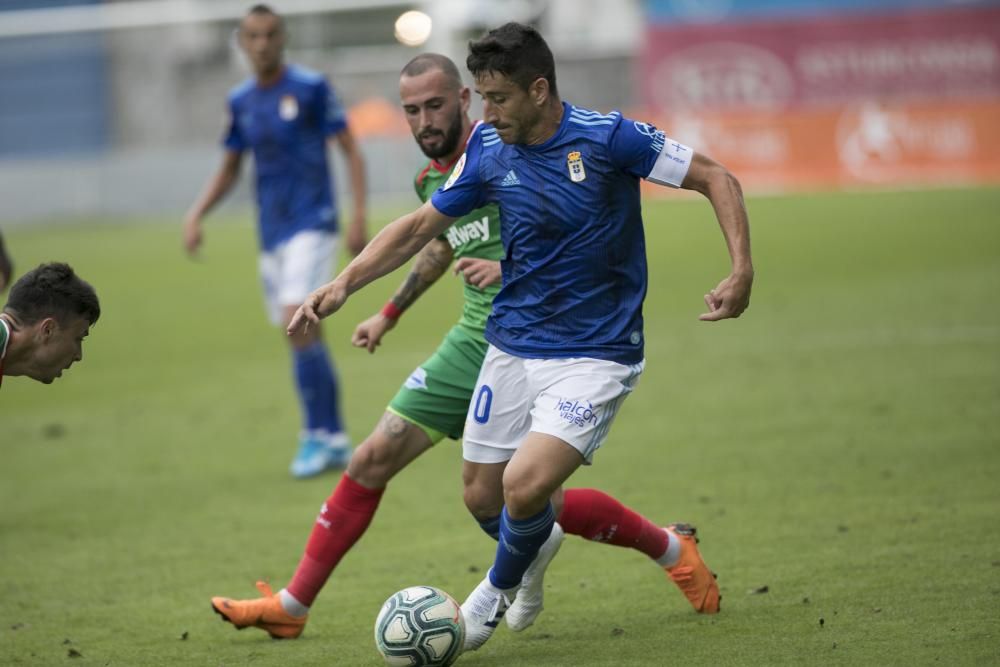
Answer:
(729, 299)
(478, 272)
(369, 333)
(357, 237)
(192, 235)
(323, 302)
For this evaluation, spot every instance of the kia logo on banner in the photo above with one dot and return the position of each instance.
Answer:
(721, 75)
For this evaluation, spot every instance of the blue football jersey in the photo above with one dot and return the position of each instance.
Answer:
(286, 125)
(574, 267)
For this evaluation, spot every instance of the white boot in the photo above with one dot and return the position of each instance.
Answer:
(482, 612)
(528, 604)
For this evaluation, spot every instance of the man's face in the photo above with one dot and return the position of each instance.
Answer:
(436, 111)
(58, 347)
(263, 40)
(510, 109)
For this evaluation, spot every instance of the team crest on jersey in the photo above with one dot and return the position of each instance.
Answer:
(574, 161)
(288, 108)
(417, 379)
(456, 173)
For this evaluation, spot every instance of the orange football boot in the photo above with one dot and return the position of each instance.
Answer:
(265, 613)
(691, 574)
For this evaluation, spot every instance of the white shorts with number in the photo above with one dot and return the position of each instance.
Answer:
(295, 268)
(575, 400)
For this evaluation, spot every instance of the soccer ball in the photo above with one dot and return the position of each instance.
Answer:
(420, 626)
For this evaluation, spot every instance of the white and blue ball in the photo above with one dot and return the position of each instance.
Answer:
(420, 626)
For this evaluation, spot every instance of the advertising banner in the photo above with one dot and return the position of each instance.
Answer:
(925, 55)
(876, 99)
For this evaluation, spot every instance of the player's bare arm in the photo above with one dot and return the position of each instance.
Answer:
(430, 264)
(218, 185)
(732, 296)
(357, 234)
(395, 244)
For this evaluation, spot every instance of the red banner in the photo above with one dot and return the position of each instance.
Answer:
(906, 55)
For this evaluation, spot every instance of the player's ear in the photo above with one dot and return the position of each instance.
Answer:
(47, 327)
(464, 98)
(539, 91)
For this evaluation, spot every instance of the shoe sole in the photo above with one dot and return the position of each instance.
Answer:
(244, 627)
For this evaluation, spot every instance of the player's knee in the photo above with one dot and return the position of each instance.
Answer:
(481, 503)
(304, 339)
(372, 465)
(524, 496)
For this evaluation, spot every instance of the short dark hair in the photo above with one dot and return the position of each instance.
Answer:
(52, 290)
(517, 51)
(426, 62)
(261, 8)
(266, 10)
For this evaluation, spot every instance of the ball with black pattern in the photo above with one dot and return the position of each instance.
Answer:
(420, 626)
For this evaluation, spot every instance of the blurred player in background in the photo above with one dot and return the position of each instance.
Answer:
(566, 330)
(42, 327)
(286, 114)
(6, 266)
(432, 404)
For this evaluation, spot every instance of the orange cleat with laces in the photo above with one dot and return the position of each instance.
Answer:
(265, 613)
(691, 574)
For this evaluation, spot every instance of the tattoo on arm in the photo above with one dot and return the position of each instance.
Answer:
(430, 264)
(393, 425)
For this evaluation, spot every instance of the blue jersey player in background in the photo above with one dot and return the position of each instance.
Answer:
(565, 334)
(286, 115)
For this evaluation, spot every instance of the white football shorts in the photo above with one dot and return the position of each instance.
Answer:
(295, 268)
(575, 400)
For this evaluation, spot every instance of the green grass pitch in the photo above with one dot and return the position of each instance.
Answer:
(837, 445)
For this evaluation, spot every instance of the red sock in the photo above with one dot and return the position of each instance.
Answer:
(342, 521)
(594, 515)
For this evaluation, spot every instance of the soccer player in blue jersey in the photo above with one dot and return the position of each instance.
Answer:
(566, 331)
(433, 402)
(286, 115)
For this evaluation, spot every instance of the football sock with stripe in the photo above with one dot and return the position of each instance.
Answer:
(520, 540)
(596, 516)
(341, 523)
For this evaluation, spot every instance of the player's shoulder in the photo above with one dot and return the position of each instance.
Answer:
(304, 76)
(421, 176)
(590, 123)
(242, 89)
(483, 135)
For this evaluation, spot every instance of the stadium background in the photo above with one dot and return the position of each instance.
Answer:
(117, 108)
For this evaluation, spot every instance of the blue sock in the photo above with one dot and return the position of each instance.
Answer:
(317, 387)
(491, 527)
(520, 540)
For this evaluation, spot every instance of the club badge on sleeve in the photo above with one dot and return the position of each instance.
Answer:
(456, 172)
(575, 163)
